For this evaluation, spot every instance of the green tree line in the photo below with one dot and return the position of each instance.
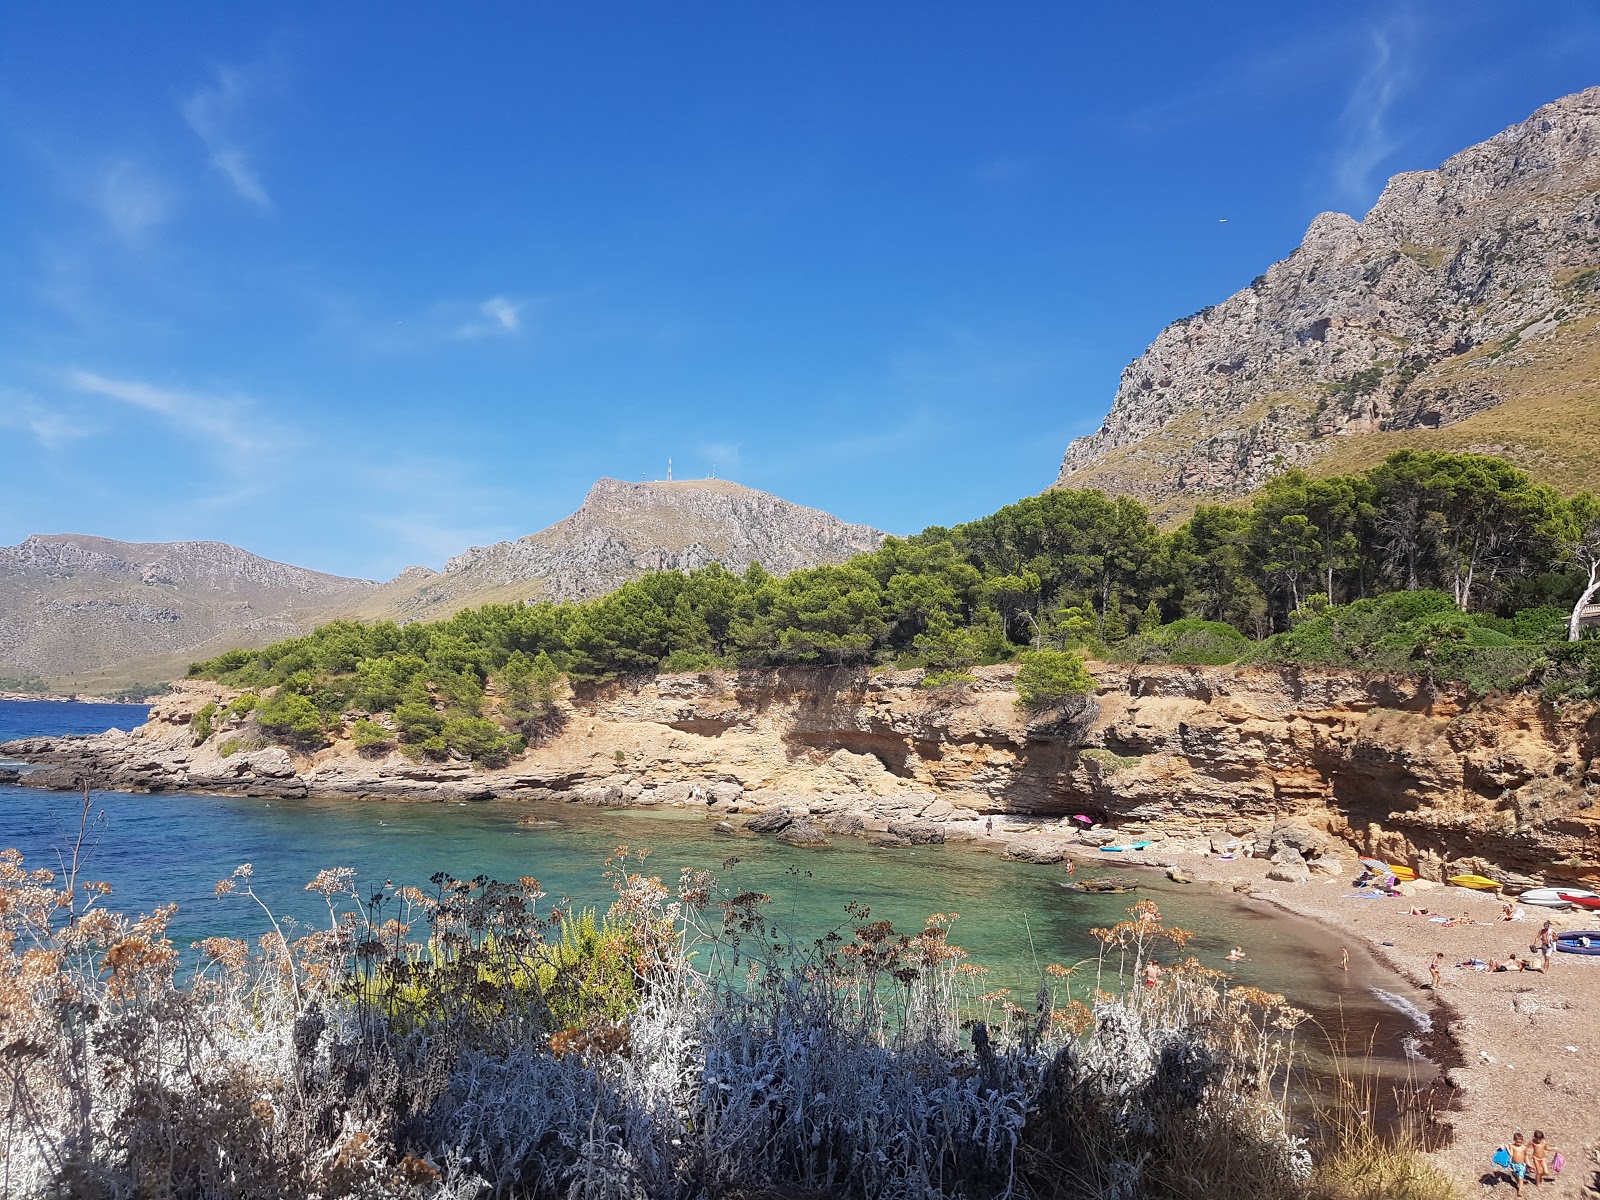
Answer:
(1491, 560)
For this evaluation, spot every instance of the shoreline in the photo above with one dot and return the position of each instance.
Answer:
(1473, 1048)
(1512, 1068)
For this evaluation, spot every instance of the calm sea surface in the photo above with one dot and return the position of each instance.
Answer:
(1015, 918)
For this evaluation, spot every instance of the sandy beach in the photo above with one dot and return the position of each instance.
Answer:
(1528, 1043)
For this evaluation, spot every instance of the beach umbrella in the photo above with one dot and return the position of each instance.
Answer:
(1376, 867)
(1084, 819)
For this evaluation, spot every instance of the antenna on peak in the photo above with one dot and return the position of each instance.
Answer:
(669, 470)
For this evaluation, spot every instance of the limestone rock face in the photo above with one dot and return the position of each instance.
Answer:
(1299, 765)
(1399, 323)
(622, 531)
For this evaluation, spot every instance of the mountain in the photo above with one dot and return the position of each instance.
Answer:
(100, 611)
(621, 531)
(1462, 313)
(98, 614)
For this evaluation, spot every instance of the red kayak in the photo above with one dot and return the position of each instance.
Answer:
(1581, 899)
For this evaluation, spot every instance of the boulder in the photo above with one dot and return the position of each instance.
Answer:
(848, 823)
(1290, 873)
(774, 820)
(1309, 842)
(1287, 856)
(918, 833)
(803, 831)
(1036, 850)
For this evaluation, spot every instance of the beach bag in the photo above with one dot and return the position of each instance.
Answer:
(1559, 1161)
(1502, 1159)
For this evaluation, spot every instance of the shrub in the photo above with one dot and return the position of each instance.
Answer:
(200, 723)
(481, 740)
(241, 706)
(369, 736)
(1187, 642)
(688, 660)
(1046, 678)
(290, 718)
(495, 1050)
(238, 745)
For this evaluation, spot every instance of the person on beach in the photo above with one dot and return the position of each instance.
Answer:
(1344, 958)
(989, 827)
(1519, 1160)
(1539, 1156)
(1508, 911)
(1547, 943)
(1433, 970)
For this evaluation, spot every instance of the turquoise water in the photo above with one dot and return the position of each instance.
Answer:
(1015, 918)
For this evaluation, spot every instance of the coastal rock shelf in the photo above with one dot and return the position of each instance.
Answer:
(1504, 786)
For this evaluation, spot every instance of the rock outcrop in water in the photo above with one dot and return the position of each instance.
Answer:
(1280, 759)
(1464, 289)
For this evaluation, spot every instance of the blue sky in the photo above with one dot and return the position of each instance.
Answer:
(356, 286)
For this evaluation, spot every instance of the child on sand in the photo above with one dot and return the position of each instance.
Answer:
(1519, 1160)
(1344, 958)
(1433, 970)
(1539, 1158)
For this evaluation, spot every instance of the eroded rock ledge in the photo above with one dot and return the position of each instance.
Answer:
(1506, 785)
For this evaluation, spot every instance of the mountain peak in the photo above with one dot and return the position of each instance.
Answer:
(622, 530)
(1459, 313)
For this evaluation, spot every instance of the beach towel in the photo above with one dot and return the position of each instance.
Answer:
(1502, 1158)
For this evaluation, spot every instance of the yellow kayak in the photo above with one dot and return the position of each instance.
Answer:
(1404, 874)
(1476, 882)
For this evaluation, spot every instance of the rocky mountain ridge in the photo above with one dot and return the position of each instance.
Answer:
(621, 531)
(71, 604)
(101, 613)
(1425, 315)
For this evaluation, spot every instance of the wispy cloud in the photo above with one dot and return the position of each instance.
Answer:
(50, 427)
(1366, 140)
(131, 199)
(214, 113)
(225, 420)
(496, 317)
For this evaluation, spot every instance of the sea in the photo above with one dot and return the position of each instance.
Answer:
(1014, 919)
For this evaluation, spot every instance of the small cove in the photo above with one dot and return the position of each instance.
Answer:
(1015, 918)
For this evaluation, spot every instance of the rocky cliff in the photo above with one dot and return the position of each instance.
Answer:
(621, 531)
(1460, 313)
(1505, 786)
(71, 605)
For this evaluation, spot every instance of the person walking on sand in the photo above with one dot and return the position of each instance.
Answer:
(1547, 943)
(989, 827)
(1344, 958)
(1433, 970)
(1539, 1158)
(1519, 1160)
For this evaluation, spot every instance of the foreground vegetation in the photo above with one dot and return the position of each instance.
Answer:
(465, 1040)
(1452, 566)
